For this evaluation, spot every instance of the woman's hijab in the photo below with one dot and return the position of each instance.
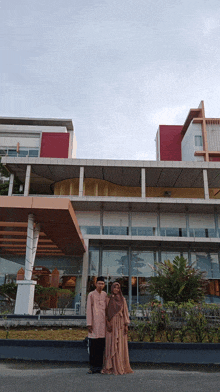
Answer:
(115, 303)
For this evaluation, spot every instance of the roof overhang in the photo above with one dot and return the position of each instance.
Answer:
(174, 174)
(191, 115)
(54, 122)
(59, 229)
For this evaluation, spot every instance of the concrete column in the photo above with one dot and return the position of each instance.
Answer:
(27, 180)
(100, 261)
(29, 248)
(129, 279)
(158, 222)
(216, 224)
(35, 241)
(129, 222)
(101, 220)
(84, 278)
(25, 292)
(25, 297)
(187, 224)
(143, 182)
(81, 180)
(11, 184)
(206, 186)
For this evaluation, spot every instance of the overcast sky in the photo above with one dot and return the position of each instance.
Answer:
(117, 68)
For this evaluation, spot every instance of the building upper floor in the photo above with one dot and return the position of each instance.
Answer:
(198, 139)
(34, 137)
(140, 181)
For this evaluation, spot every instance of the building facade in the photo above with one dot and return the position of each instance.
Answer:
(114, 218)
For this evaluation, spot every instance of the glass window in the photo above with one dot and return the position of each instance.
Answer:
(207, 262)
(169, 256)
(3, 152)
(143, 231)
(198, 141)
(172, 232)
(23, 153)
(90, 230)
(93, 230)
(12, 153)
(142, 263)
(115, 230)
(140, 294)
(115, 263)
(93, 262)
(33, 153)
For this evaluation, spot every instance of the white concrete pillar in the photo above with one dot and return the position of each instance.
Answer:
(25, 292)
(27, 180)
(84, 278)
(81, 180)
(11, 184)
(143, 182)
(35, 241)
(29, 248)
(25, 297)
(206, 186)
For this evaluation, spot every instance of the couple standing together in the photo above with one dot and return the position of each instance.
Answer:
(107, 322)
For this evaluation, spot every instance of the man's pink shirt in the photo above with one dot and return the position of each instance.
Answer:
(96, 305)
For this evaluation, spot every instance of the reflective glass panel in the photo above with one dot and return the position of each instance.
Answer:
(115, 263)
(142, 263)
(12, 153)
(33, 153)
(23, 153)
(93, 262)
(115, 230)
(206, 262)
(145, 231)
(169, 256)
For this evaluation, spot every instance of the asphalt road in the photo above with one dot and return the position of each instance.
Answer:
(34, 377)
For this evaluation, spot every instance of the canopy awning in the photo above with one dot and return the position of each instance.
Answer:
(59, 230)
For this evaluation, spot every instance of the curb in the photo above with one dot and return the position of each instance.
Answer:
(76, 352)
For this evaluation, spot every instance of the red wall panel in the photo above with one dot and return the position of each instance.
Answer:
(170, 142)
(214, 159)
(54, 145)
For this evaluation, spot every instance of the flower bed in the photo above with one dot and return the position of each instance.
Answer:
(188, 322)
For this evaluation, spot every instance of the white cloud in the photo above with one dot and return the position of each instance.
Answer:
(210, 24)
(168, 115)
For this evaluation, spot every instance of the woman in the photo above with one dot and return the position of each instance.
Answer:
(116, 358)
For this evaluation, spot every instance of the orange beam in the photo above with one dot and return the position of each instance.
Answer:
(13, 224)
(24, 233)
(22, 240)
(39, 246)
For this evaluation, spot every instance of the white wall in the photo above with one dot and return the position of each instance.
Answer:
(143, 219)
(173, 220)
(88, 218)
(115, 218)
(7, 140)
(188, 143)
(201, 221)
(213, 137)
(31, 128)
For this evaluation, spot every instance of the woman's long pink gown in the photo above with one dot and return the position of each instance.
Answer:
(116, 358)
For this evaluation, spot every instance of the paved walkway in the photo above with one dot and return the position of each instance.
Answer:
(38, 377)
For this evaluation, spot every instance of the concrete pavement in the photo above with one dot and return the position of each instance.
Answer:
(47, 377)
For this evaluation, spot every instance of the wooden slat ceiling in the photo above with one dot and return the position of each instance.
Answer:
(59, 235)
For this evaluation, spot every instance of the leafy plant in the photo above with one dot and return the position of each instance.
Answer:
(178, 281)
(197, 323)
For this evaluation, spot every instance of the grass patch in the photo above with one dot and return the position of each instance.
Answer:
(45, 333)
(80, 333)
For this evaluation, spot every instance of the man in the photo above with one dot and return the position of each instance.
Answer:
(96, 306)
